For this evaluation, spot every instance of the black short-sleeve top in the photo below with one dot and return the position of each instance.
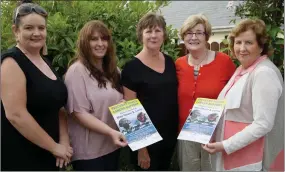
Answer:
(156, 91)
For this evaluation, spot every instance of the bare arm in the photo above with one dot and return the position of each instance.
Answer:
(143, 156)
(129, 94)
(94, 124)
(13, 95)
(63, 135)
(63, 131)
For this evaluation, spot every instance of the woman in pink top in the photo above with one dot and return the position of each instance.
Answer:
(93, 85)
(250, 134)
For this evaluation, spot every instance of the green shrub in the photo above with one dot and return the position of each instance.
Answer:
(66, 18)
(272, 13)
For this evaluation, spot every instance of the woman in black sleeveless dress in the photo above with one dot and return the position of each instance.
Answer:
(33, 129)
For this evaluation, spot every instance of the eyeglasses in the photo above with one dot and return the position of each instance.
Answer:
(28, 8)
(197, 34)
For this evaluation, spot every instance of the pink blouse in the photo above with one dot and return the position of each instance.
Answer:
(84, 96)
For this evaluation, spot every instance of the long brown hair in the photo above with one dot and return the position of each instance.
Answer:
(84, 54)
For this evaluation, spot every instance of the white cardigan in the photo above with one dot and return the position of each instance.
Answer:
(256, 98)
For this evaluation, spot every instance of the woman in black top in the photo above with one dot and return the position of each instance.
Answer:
(33, 129)
(151, 77)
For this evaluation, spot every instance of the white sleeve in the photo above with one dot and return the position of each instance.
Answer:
(266, 91)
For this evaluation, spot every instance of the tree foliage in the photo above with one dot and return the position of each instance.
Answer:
(66, 18)
(272, 13)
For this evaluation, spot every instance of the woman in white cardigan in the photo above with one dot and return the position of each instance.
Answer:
(250, 134)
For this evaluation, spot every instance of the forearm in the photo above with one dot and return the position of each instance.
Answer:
(92, 123)
(31, 130)
(63, 131)
(245, 137)
(266, 91)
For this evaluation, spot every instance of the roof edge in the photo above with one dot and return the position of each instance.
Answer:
(222, 28)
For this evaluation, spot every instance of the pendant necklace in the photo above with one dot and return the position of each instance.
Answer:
(197, 66)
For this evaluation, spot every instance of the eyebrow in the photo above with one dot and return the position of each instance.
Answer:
(196, 30)
(25, 25)
(96, 36)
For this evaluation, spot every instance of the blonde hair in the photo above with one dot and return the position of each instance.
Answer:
(259, 28)
(194, 20)
(150, 20)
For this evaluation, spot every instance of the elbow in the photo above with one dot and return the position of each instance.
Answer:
(268, 128)
(265, 128)
(13, 117)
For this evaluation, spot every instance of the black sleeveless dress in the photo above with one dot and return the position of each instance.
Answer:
(44, 99)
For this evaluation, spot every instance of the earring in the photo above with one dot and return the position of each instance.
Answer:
(45, 49)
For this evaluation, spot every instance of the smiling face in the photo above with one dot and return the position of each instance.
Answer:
(98, 45)
(195, 38)
(31, 32)
(152, 38)
(246, 48)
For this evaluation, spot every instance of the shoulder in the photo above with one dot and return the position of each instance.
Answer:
(169, 60)
(131, 65)
(11, 70)
(267, 75)
(267, 68)
(180, 61)
(10, 59)
(168, 57)
(224, 59)
(77, 66)
(133, 61)
(12, 52)
(10, 64)
(77, 69)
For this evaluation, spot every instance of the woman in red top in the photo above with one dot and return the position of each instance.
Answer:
(201, 73)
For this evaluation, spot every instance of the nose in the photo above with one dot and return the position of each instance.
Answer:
(242, 47)
(36, 32)
(194, 36)
(100, 42)
(153, 34)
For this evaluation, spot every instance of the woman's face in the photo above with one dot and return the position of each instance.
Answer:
(246, 48)
(152, 38)
(98, 45)
(31, 32)
(195, 38)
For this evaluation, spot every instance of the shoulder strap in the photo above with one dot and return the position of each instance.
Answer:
(50, 66)
(17, 55)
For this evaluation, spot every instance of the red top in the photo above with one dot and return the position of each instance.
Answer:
(211, 80)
